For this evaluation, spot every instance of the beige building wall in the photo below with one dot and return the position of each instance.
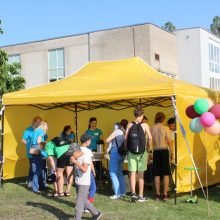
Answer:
(144, 41)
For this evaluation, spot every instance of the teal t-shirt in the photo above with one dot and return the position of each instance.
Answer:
(28, 136)
(95, 137)
(52, 150)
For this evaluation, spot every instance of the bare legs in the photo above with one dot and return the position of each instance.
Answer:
(165, 184)
(140, 182)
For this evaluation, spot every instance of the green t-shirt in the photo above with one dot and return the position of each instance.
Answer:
(53, 150)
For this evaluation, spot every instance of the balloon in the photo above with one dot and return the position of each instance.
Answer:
(207, 119)
(190, 112)
(215, 109)
(195, 125)
(201, 106)
(210, 102)
(214, 129)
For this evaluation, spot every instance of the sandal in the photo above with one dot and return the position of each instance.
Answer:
(56, 194)
(67, 194)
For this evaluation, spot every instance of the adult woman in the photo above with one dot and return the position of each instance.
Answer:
(67, 134)
(116, 162)
(95, 132)
(161, 145)
(38, 164)
(56, 149)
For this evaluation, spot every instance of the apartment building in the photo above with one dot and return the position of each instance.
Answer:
(198, 57)
(53, 59)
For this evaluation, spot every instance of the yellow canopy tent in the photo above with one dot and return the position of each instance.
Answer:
(101, 89)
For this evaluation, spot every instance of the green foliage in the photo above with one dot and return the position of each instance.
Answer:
(1, 31)
(10, 79)
(169, 27)
(215, 26)
(18, 202)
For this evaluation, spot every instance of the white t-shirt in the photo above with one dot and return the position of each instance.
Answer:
(83, 178)
(86, 150)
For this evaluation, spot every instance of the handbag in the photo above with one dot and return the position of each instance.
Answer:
(121, 149)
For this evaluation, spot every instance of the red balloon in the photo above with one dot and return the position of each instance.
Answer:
(215, 110)
(191, 113)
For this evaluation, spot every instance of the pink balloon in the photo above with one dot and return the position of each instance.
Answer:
(215, 109)
(214, 129)
(207, 119)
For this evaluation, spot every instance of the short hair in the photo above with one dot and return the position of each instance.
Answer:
(138, 112)
(159, 117)
(36, 118)
(171, 121)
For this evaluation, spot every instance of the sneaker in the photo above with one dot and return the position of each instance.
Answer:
(134, 197)
(142, 199)
(86, 211)
(165, 198)
(115, 197)
(29, 184)
(97, 216)
(158, 197)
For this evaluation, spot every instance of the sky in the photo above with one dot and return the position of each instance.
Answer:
(33, 20)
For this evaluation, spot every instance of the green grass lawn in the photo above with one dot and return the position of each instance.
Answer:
(17, 202)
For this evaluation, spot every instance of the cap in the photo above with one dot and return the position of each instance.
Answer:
(85, 137)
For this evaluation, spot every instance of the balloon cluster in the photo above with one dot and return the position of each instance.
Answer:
(204, 114)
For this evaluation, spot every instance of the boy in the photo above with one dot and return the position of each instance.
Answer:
(82, 162)
(86, 141)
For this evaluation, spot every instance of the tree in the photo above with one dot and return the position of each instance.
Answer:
(1, 31)
(215, 26)
(10, 79)
(169, 27)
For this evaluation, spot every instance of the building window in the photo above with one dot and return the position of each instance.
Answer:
(15, 58)
(214, 83)
(214, 58)
(56, 68)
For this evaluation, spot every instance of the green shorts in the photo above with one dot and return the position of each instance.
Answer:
(137, 162)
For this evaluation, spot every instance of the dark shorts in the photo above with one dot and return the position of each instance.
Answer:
(161, 163)
(63, 161)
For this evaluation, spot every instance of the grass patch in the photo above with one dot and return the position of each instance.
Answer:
(18, 202)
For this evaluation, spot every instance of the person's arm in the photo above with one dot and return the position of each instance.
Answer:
(52, 163)
(111, 137)
(148, 137)
(93, 169)
(83, 167)
(24, 141)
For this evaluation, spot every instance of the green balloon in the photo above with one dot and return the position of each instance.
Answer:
(201, 106)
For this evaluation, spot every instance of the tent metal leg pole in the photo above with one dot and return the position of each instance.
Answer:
(76, 122)
(2, 141)
(175, 149)
(187, 144)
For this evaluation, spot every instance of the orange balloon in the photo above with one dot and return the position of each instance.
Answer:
(214, 129)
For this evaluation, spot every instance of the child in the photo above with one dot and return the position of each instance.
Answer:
(86, 140)
(83, 162)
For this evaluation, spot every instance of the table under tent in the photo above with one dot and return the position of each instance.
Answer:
(109, 91)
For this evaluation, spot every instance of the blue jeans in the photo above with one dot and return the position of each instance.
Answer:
(116, 172)
(30, 173)
(37, 182)
(92, 188)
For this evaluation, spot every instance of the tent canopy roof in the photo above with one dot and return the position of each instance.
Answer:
(103, 81)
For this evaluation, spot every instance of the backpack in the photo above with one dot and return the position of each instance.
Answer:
(136, 142)
(121, 149)
(59, 141)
